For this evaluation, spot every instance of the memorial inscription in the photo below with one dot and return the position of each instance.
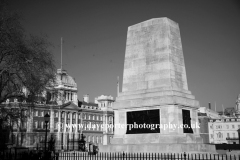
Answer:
(186, 121)
(146, 121)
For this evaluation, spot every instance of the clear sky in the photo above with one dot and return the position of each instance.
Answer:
(94, 34)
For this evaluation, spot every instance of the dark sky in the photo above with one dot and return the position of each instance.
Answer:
(94, 34)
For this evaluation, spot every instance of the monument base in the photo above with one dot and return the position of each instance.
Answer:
(159, 148)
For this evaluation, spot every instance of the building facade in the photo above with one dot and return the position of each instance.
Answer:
(69, 117)
(224, 130)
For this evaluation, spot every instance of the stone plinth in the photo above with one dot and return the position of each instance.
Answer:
(154, 80)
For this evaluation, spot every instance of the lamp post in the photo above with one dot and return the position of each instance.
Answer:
(238, 135)
(46, 119)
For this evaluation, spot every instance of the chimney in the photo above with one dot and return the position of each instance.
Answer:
(209, 105)
(96, 100)
(86, 98)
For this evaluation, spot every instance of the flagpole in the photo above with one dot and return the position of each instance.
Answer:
(61, 53)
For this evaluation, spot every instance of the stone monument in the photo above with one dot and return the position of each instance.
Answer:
(155, 103)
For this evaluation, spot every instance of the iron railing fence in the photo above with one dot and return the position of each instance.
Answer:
(114, 156)
(142, 156)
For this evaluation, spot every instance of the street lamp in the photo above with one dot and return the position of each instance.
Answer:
(238, 135)
(46, 119)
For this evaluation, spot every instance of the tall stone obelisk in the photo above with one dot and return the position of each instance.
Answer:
(155, 91)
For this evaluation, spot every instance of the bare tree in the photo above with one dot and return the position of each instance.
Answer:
(25, 63)
(24, 60)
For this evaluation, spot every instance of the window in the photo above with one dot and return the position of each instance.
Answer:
(14, 125)
(97, 139)
(56, 125)
(42, 114)
(219, 135)
(218, 126)
(94, 126)
(79, 116)
(36, 124)
(42, 125)
(227, 135)
(233, 126)
(93, 139)
(36, 113)
(56, 114)
(68, 115)
(97, 118)
(89, 138)
(97, 126)
(110, 118)
(74, 115)
(101, 118)
(93, 117)
(101, 139)
(238, 126)
(227, 126)
(84, 116)
(233, 135)
(89, 117)
(40, 138)
(24, 124)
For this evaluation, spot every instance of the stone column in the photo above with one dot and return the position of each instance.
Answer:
(80, 122)
(70, 131)
(65, 95)
(59, 125)
(64, 131)
(76, 129)
(65, 121)
(59, 121)
(71, 120)
(76, 117)
(51, 123)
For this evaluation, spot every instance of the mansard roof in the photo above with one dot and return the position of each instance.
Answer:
(70, 106)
